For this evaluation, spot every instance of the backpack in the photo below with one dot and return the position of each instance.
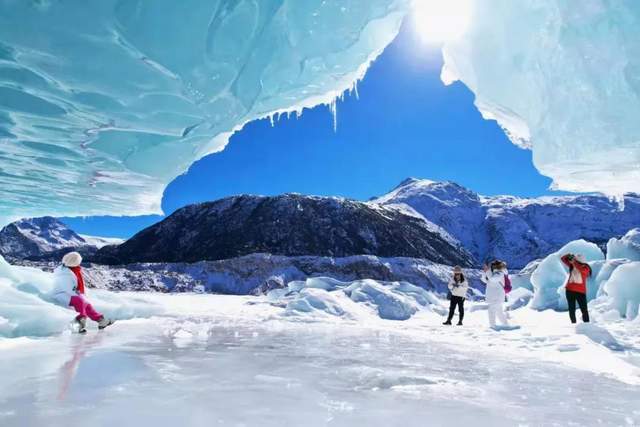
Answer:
(507, 284)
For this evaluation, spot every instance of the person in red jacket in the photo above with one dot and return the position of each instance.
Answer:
(576, 286)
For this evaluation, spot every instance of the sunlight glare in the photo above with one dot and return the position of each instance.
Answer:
(439, 21)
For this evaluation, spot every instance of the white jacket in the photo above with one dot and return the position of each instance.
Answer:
(459, 289)
(495, 286)
(65, 285)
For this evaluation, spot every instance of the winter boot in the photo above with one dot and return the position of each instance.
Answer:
(82, 324)
(459, 322)
(448, 322)
(104, 322)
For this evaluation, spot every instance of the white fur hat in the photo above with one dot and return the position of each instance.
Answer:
(581, 258)
(72, 259)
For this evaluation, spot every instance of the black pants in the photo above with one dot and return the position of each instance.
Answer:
(572, 298)
(459, 301)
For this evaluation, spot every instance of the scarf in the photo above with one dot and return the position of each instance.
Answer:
(78, 272)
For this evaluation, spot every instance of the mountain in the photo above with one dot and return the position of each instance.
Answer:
(290, 225)
(517, 230)
(46, 237)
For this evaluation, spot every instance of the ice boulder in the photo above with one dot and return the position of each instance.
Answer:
(605, 271)
(522, 279)
(623, 288)
(26, 308)
(326, 296)
(627, 247)
(550, 276)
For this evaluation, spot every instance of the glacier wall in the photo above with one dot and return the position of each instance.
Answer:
(104, 102)
(563, 79)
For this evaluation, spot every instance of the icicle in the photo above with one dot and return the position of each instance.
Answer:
(333, 107)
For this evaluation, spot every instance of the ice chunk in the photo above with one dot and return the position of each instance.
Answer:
(389, 300)
(624, 289)
(26, 308)
(626, 247)
(103, 103)
(550, 276)
(561, 79)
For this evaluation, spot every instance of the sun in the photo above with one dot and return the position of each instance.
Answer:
(439, 21)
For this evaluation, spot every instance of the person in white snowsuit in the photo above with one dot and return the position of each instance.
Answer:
(68, 291)
(494, 277)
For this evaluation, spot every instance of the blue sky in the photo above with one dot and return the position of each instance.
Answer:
(404, 123)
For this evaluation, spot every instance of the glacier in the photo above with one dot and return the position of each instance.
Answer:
(562, 80)
(103, 103)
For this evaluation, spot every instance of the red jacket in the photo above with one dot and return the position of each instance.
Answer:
(577, 281)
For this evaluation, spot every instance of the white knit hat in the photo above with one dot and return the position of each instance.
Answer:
(72, 259)
(581, 258)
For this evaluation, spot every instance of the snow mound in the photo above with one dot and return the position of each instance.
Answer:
(27, 310)
(550, 276)
(194, 75)
(623, 287)
(561, 79)
(326, 296)
(626, 247)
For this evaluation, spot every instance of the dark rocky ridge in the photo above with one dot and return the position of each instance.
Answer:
(289, 225)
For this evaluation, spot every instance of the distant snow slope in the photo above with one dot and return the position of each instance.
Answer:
(514, 229)
(38, 237)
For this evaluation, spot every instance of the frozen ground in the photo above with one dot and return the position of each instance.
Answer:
(247, 361)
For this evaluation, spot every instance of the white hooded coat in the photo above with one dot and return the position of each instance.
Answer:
(495, 282)
(65, 285)
(459, 289)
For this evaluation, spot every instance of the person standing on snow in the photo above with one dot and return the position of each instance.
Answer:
(494, 276)
(69, 292)
(576, 286)
(458, 287)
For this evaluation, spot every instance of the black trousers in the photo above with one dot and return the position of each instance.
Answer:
(581, 299)
(459, 301)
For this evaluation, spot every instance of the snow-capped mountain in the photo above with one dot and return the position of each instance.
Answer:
(290, 225)
(517, 230)
(45, 236)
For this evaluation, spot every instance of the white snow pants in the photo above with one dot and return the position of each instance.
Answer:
(496, 309)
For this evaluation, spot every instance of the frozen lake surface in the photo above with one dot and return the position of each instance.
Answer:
(261, 370)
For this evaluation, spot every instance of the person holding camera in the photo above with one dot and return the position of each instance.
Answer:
(458, 289)
(576, 286)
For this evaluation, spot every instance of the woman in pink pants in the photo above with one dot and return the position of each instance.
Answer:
(69, 292)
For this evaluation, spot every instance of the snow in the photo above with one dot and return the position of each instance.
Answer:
(562, 81)
(335, 348)
(99, 241)
(549, 278)
(105, 144)
(627, 247)
(238, 360)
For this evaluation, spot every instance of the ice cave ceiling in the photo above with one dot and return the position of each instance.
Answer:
(104, 102)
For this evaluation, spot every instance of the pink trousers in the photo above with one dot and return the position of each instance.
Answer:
(83, 308)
